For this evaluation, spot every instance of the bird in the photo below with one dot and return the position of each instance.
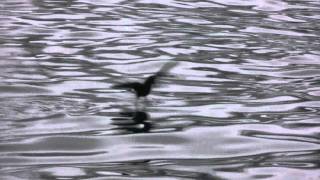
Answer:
(144, 89)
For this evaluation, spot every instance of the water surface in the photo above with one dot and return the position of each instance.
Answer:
(242, 102)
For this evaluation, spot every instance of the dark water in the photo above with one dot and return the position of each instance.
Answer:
(242, 103)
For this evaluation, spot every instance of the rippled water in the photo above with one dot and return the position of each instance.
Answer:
(242, 102)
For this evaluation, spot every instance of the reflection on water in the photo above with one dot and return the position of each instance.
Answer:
(133, 122)
(241, 103)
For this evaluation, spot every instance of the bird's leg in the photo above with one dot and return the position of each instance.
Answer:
(144, 100)
(139, 104)
(136, 104)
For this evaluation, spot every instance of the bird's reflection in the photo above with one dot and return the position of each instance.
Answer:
(133, 121)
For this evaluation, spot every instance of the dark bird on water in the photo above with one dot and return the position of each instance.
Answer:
(144, 89)
(140, 89)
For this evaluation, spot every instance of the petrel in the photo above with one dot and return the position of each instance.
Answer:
(143, 89)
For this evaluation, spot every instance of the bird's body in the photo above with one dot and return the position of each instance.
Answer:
(144, 89)
(140, 89)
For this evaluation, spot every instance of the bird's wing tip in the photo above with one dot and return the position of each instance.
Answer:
(168, 66)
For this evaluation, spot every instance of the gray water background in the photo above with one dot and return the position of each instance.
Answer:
(242, 102)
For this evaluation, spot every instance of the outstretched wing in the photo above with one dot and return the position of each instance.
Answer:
(132, 85)
(167, 67)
